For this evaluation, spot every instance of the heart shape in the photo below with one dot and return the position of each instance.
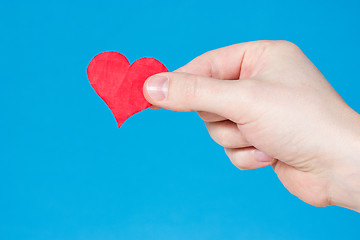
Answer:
(120, 84)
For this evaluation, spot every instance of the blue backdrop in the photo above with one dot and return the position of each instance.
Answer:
(67, 171)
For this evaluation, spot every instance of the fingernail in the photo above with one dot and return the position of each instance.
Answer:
(157, 87)
(262, 157)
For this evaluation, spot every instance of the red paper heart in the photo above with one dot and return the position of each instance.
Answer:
(120, 84)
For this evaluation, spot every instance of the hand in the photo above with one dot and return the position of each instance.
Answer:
(267, 104)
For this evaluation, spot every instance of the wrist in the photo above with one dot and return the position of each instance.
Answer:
(344, 190)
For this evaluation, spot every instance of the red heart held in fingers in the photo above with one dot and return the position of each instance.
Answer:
(120, 84)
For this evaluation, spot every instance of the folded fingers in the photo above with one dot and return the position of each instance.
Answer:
(248, 158)
(226, 134)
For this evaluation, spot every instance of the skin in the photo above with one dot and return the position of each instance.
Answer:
(267, 104)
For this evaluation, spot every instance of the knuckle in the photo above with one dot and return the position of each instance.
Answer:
(205, 116)
(249, 90)
(229, 153)
(247, 99)
(284, 44)
(264, 45)
(225, 138)
(235, 159)
(276, 46)
(209, 117)
(191, 87)
(221, 138)
(239, 164)
(209, 61)
(214, 67)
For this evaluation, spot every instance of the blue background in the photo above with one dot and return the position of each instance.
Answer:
(67, 171)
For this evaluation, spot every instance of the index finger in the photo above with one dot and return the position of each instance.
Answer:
(222, 63)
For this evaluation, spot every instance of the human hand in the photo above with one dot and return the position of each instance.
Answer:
(267, 104)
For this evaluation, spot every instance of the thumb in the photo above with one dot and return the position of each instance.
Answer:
(187, 92)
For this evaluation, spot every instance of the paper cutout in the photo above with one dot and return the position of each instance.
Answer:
(120, 84)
